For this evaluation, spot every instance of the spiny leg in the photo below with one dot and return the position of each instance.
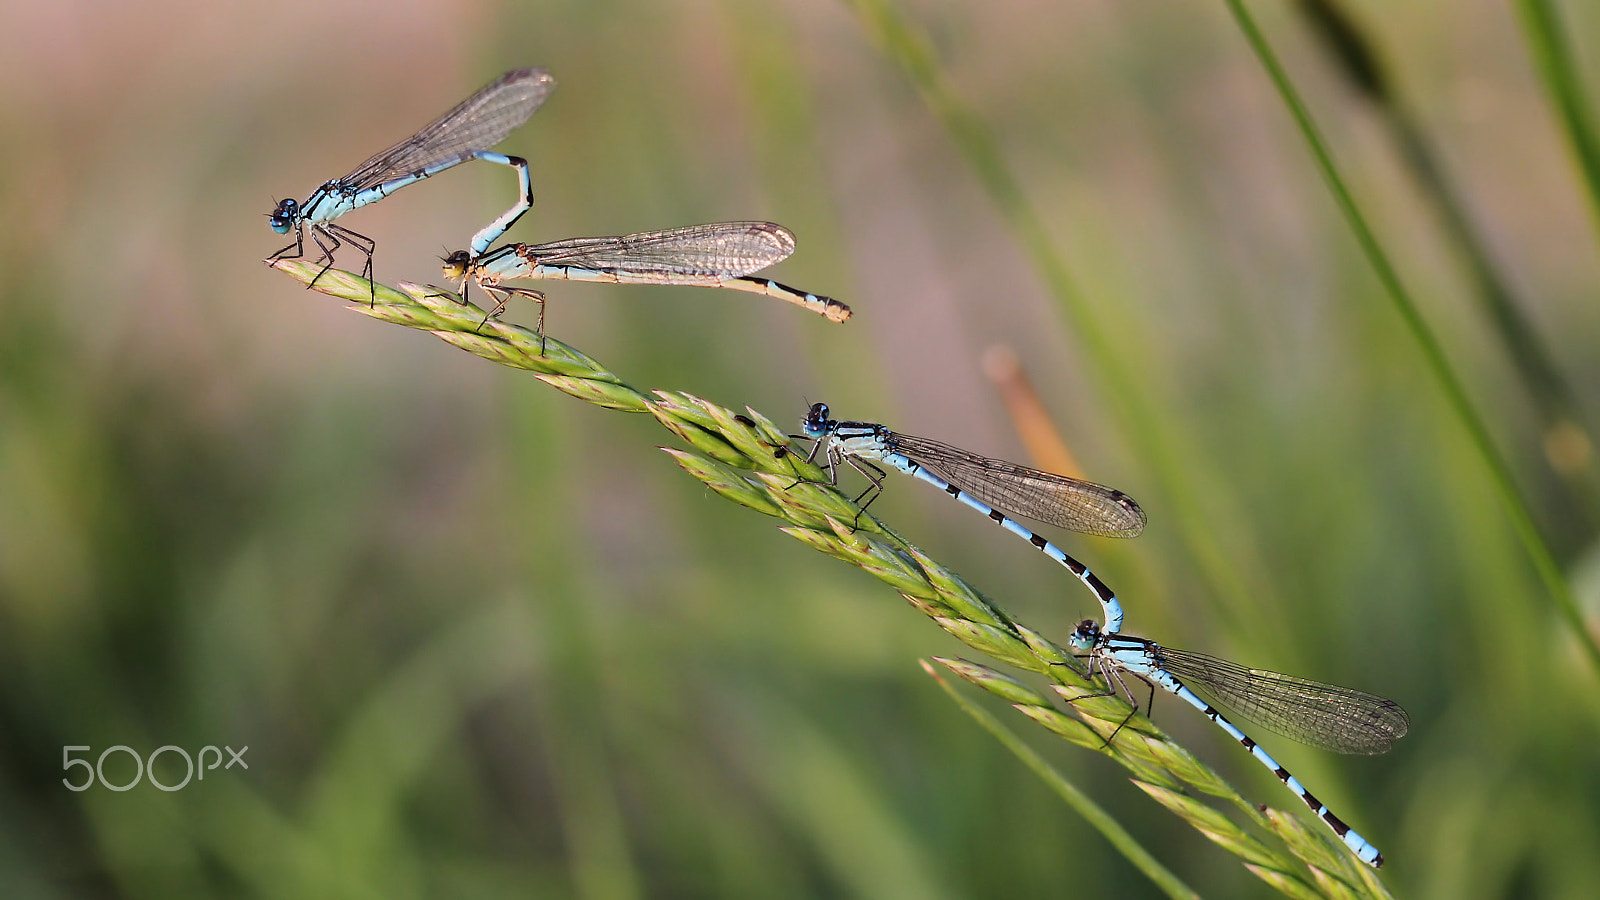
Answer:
(366, 245)
(779, 452)
(876, 476)
(502, 296)
(298, 247)
(444, 294)
(318, 232)
(816, 444)
(1112, 691)
(831, 464)
(1149, 704)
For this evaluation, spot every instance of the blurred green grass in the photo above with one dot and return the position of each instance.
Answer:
(484, 640)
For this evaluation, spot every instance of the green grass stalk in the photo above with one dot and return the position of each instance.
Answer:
(1092, 812)
(737, 456)
(1541, 24)
(1428, 344)
(1569, 447)
(1155, 436)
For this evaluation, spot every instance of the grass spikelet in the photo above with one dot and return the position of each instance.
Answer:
(737, 456)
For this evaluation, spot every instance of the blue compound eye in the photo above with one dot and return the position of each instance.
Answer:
(282, 218)
(816, 420)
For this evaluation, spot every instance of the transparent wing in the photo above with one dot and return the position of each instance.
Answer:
(477, 123)
(1328, 716)
(718, 250)
(1070, 503)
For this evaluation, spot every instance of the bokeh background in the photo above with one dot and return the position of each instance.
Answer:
(484, 641)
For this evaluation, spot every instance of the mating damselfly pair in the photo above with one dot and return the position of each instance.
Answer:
(721, 255)
(726, 255)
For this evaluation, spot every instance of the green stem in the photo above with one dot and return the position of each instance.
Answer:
(1154, 435)
(744, 458)
(1568, 445)
(1092, 813)
(1556, 65)
(1432, 351)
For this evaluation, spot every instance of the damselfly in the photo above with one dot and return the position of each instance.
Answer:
(466, 132)
(719, 255)
(994, 487)
(1326, 716)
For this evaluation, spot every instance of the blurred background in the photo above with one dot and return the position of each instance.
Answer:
(482, 640)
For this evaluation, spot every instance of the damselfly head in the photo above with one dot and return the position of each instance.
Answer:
(815, 423)
(455, 265)
(1084, 636)
(283, 216)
